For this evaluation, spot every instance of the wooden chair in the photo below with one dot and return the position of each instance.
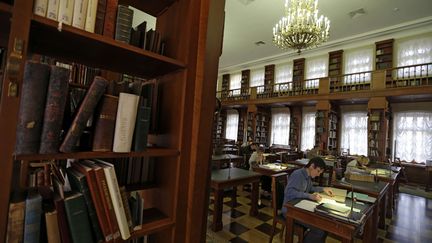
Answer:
(279, 182)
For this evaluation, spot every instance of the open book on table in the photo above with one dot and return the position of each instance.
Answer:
(339, 195)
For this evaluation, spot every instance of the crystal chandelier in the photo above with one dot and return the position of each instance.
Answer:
(301, 27)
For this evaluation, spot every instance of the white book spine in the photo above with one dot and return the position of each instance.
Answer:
(40, 7)
(116, 198)
(65, 14)
(125, 122)
(91, 15)
(53, 9)
(80, 13)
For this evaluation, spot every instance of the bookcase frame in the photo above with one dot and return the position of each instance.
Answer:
(187, 76)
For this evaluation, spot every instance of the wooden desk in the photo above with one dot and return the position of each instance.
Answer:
(223, 160)
(392, 178)
(344, 229)
(226, 178)
(271, 169)
(378, 190)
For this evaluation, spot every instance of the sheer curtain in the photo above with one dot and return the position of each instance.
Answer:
(354, 132)
(232, 124)
(280, 124)
(257, 79)
(308, 130)
(235, 83)
(315, 68)
(283, 75)
(358, 61)
(412, 52)
(413, 134)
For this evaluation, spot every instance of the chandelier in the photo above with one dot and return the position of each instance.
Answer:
(301, 27)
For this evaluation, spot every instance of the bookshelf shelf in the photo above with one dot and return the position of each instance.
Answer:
(154, 221)
(72, 44)
(151, 152)
(152, 7)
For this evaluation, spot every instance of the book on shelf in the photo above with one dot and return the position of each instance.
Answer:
(96, 196)
(85, 111)
(53, 9)
(78, 183)
(110, 18)
(125, 122)
(54, 110)
(77, 217)
(142, 125)
(16, 213)
(123, 23)
(105, 123)
(100, 16)
(40, 7)
(116, 198)
(52, 227)
(79, 13)
(90, 21)
(32, 105)
(32, 218)
(65, 13)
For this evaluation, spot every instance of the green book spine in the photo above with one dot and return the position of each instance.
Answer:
(78, 182)
(78, 219)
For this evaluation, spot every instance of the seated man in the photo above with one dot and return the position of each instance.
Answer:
(300, 186)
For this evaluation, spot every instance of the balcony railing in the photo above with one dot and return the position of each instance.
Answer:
(350, 82)
(415, 75)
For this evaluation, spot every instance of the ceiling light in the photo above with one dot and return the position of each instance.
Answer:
(301, 27)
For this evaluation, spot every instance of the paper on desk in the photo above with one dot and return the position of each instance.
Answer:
(339, 195)
(306, 205)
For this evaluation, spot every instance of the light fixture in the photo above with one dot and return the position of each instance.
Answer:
(301, 27)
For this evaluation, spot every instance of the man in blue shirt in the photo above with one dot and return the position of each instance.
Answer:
(300, 186)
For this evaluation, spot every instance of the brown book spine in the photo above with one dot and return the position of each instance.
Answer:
(32, 105)
(90, 175)
(54, 110)
(107, 202)
(53, 232)
(61, 219)
(105, 124)
(100, 16)
(95, 92)
(110, 18)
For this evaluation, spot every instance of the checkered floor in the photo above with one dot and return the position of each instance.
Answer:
(411, 222)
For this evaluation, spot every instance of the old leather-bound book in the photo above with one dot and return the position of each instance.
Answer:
(32, 105)
(86, 109)
(105, 123)
(54, 110)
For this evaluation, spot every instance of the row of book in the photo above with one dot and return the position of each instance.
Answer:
(105, 17)
(118, 122)
(85, 205)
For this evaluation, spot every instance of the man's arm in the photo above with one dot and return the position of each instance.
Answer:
(294, 188)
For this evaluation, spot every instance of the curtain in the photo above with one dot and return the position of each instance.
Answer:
(413, 134)
(283, 75)
(358, 61)
(315, 68)
(232, 124)
(235, 83)
(257, 79)
(354, 132)
(412, 52)
(280, 124)
(308, 131)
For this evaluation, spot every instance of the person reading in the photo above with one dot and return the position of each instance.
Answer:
(300, 186)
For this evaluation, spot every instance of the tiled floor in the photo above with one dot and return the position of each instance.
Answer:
(411, 223)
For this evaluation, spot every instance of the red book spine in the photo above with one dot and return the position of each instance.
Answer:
(100, 16)
(110, 18)
(105, 124)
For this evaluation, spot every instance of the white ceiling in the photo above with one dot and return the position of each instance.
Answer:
(249, 21)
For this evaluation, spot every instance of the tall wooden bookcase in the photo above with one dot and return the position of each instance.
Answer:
(187, 77)
(326, 127)
(378, 126)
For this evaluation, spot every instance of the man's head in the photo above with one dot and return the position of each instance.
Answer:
(315, 167)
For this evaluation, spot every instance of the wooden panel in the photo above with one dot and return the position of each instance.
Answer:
(378, 103)
(378, 80)
(152, 7)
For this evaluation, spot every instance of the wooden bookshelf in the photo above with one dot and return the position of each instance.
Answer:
(225, 85)
(384, 58)
(298, 75)
(335, 69)
(326, 128)
(194, 36)
(295, 127)
(241, 126)
(262, 127)
(377, 135)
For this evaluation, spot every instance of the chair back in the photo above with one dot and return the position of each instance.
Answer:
(279, 182)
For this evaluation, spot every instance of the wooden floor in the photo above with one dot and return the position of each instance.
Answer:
(411, 222)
